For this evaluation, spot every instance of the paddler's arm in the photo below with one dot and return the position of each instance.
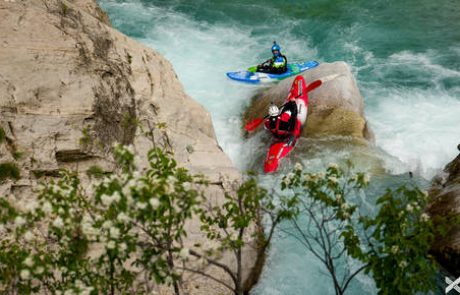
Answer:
(267, 123)
(268, 61)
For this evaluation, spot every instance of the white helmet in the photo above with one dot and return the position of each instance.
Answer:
(273, 110)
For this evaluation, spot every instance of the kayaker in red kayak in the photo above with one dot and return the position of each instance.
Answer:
(283, 123)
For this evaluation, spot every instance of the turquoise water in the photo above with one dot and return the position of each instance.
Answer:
(405, 56)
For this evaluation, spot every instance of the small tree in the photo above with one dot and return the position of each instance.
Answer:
(323, 212)
(119, 236)
(230, 223)
(399, 239)
(392, 245)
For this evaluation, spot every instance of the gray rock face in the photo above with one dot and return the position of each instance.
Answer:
(335, 108)
(71, 86)
(445, 201)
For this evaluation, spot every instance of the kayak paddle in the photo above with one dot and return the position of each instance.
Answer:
(313, 85)
(251, 126)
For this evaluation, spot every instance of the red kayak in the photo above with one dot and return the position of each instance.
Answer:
(281, 148)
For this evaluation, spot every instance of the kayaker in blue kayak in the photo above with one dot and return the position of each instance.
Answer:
(275, 65)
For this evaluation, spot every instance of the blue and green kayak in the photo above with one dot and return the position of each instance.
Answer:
(253, 77)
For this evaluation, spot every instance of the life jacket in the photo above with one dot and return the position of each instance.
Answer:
(286, 123)
(279, 64)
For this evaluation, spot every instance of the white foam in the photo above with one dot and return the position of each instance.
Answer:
(425, 64)
(419, 127)
(202, 53)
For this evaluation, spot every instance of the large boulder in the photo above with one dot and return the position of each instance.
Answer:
(71, 86)
(336, 108)
(445, 202)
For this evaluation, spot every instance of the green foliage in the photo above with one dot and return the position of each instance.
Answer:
(161, 125)
(230, 222)
(237, 213)
(124, 234)
(12, 252)
(129, 57)
(17, 155)
(325, 217)
(401, 236)
(129, 120)
(85, 140)
(2, 135)
(64, 9)
(9, 170)
(102, 240)
(96, 172)
(189, 148)
(393, 245)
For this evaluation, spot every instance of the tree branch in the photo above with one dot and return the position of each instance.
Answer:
(353, 275)
(208, 276)
(218, 264)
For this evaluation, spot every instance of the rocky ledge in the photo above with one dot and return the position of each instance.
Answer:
(336, 108)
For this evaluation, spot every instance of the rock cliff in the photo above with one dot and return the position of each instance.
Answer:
(445, 201)
(65, 75)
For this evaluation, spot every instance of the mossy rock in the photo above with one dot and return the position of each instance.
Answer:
(9, 170)
(331, 122)
(2, 135)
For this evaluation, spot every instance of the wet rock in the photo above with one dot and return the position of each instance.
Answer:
(336, 108)
(445, 202)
